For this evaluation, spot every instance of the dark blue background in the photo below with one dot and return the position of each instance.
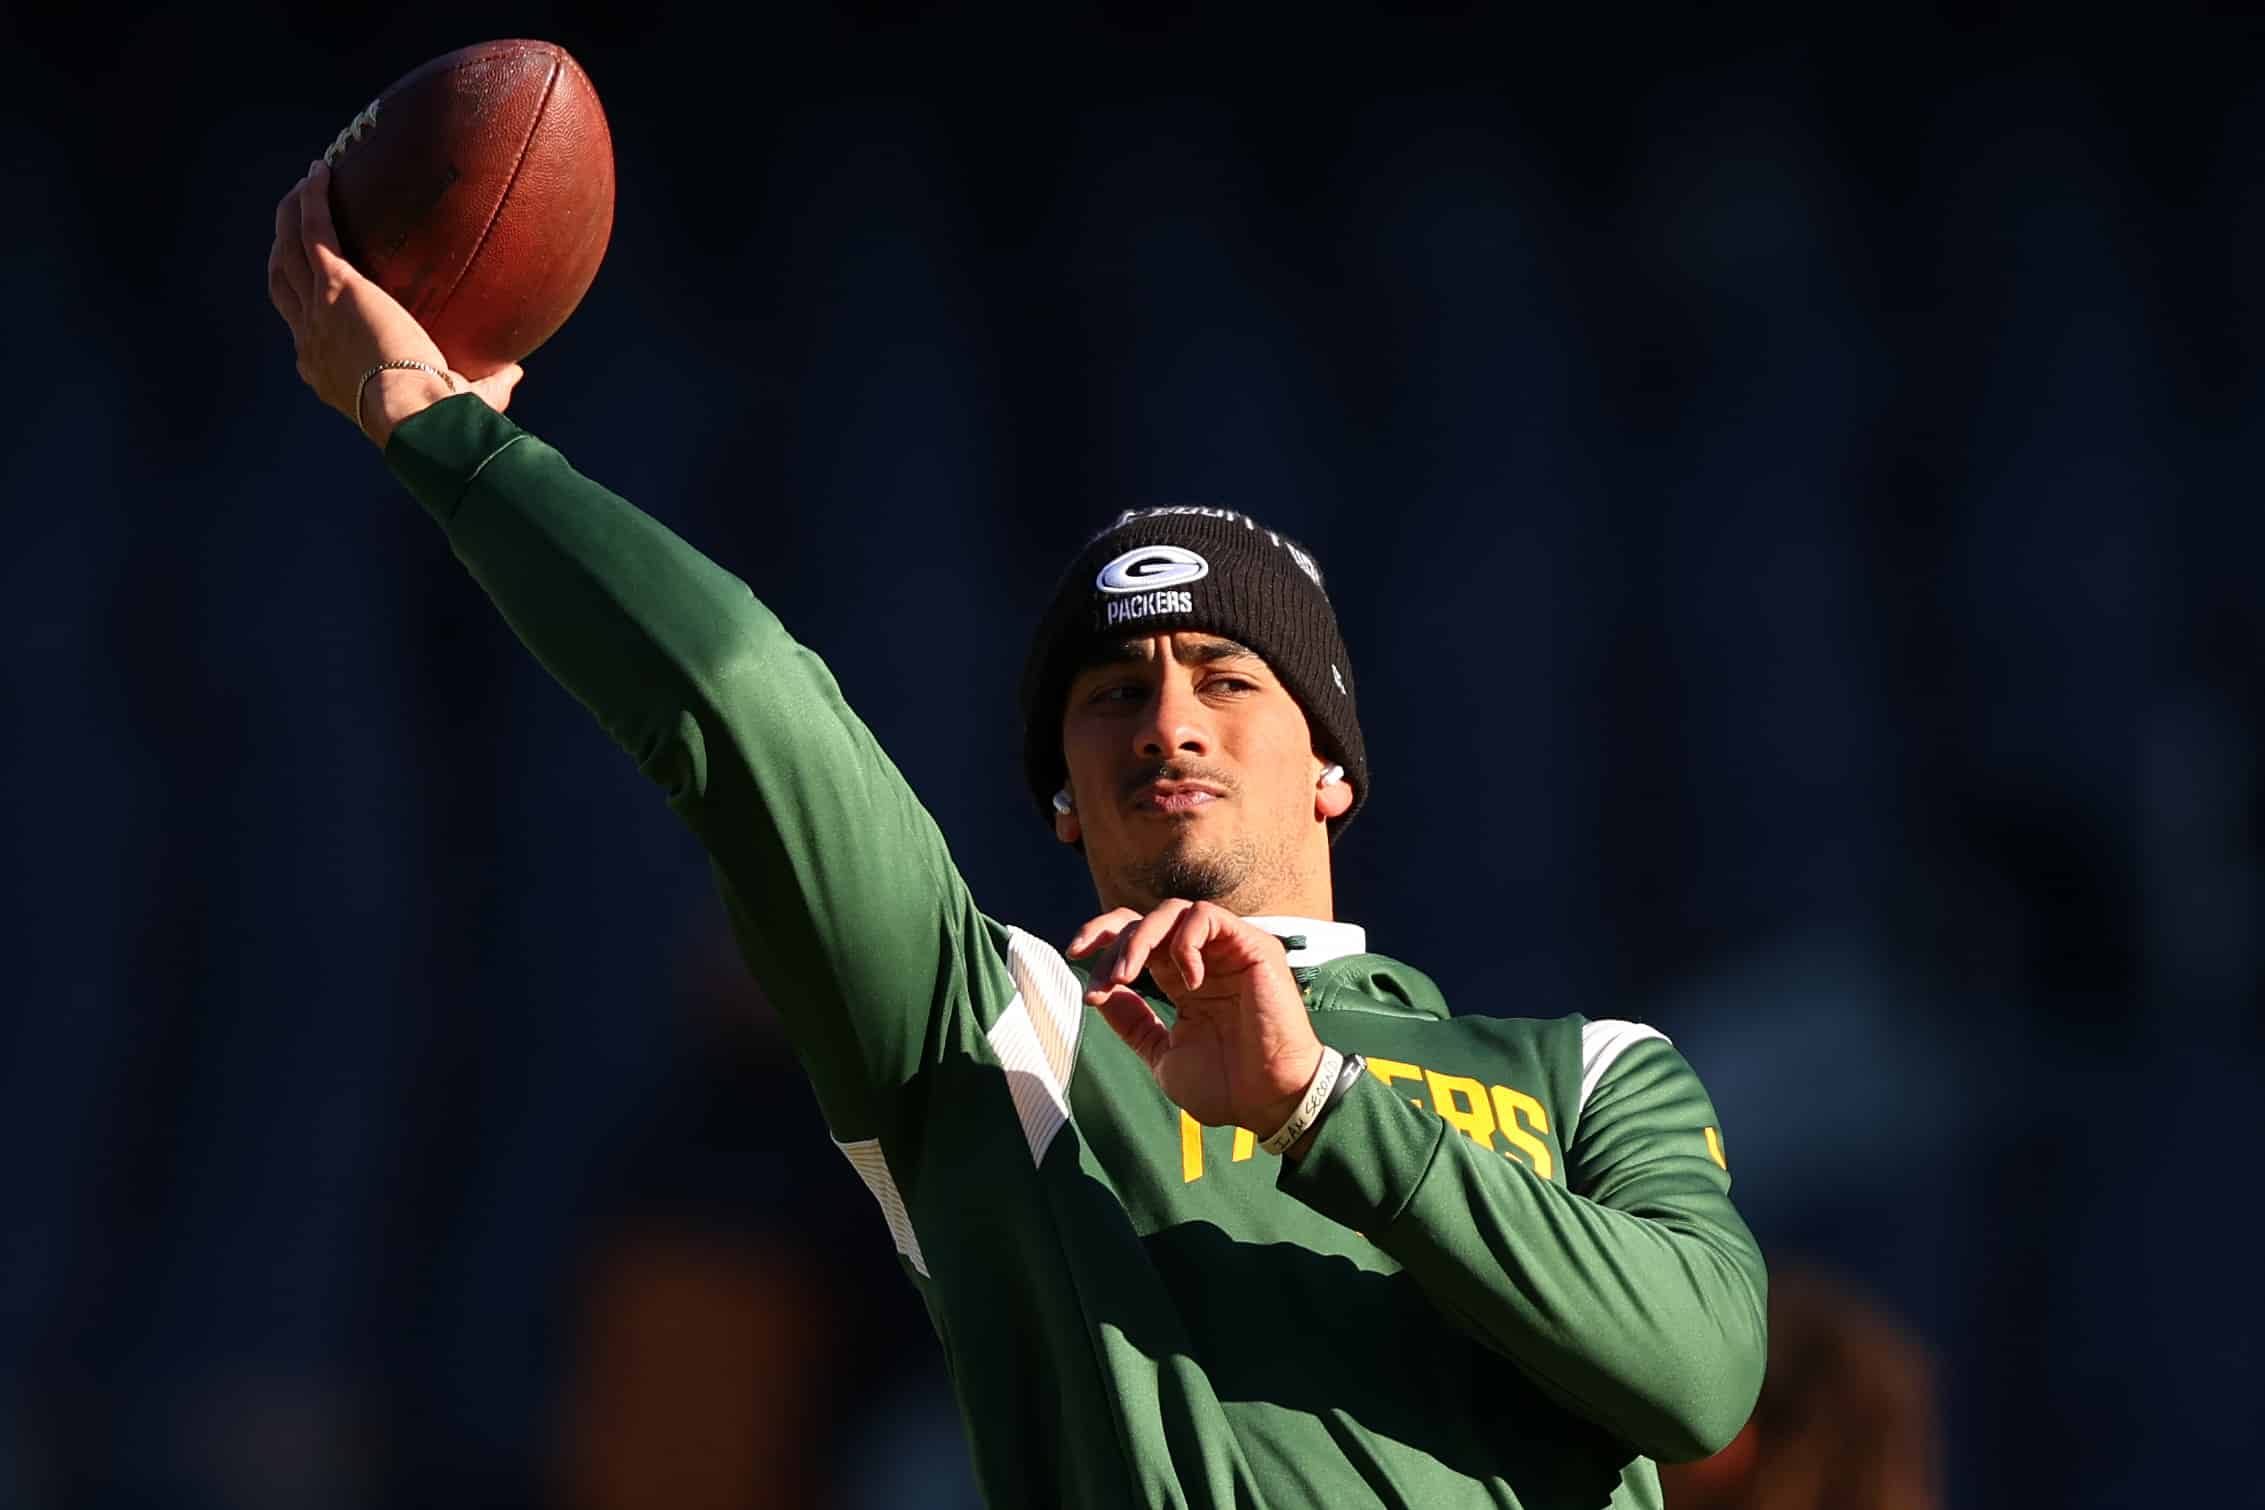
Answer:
(1790, 495)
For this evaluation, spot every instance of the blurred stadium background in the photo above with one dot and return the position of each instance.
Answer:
(1791, 493)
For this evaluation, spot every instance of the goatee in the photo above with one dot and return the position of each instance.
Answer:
(1194, 878)
(1224, 875)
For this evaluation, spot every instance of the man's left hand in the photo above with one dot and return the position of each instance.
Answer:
(1243, 1049)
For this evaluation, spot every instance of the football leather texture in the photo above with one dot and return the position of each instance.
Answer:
(478, 191)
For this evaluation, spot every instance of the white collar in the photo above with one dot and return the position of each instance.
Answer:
(1324, 941)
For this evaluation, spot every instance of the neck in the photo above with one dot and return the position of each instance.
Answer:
(1310, 901)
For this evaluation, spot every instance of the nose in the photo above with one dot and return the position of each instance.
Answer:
(1177, 723)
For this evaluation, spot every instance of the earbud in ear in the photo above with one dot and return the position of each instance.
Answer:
(1062, 803)
(1331, 775)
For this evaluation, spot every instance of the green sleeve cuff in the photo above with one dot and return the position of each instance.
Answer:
(1366, 1159)
(438, 452)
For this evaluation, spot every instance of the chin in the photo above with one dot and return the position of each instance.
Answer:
(1192, 872)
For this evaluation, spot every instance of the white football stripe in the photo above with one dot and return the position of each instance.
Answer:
(1050, 990)
(1604, 1042)
(872, 1167)
(1036, 1038)
(1040, 1104)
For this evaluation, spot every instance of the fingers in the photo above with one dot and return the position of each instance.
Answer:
(1168, 942)
(1128, 1014)
(283, 291)
(327, 267)
(1133, 1020)
(315, 214)
(1101, 930)
(1147, 937)
(1128, 955)
(287, 277)
(1185, 946)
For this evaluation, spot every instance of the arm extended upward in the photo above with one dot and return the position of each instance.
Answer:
(840, 886)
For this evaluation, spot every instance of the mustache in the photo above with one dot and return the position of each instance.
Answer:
(1176, 770)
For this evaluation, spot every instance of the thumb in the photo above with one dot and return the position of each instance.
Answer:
(1135, 1021)
(497, 386)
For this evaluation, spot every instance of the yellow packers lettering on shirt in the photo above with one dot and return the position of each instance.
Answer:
(1499, 1117)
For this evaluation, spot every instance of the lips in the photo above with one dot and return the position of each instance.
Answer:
(1172, 798)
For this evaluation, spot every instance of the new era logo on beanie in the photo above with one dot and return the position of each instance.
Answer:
(1160, 570)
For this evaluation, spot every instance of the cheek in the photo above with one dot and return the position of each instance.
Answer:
(1279, 763)
(1084, 759)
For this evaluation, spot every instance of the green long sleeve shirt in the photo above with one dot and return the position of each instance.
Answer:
(1506, 1272)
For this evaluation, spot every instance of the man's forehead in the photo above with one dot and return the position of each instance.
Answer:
(1189, 648)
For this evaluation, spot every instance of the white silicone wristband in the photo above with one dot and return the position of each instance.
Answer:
(1309, 1109)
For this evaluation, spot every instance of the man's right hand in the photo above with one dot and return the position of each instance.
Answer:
(1242, 1050)
(343, 324)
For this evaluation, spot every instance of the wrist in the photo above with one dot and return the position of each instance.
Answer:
(390, 395)
(1309, 1105)
(1283, 1107)
(1352, 1069)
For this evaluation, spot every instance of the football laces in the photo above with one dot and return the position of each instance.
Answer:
(356, 129)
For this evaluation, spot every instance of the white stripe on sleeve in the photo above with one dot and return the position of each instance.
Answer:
(1036, 1039)
(1602, 1043)
(872, 1167)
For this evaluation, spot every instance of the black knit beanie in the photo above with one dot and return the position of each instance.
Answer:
(1215, 571)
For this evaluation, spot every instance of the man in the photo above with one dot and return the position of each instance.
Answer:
(1428, 1261)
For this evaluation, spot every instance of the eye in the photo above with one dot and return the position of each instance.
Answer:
(1229, 681)
(1116, 693)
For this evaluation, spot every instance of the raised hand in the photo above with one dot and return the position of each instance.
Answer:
(1243, 1048)
(342, 324)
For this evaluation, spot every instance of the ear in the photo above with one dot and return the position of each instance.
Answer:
(1065, 827)
(1333, 800)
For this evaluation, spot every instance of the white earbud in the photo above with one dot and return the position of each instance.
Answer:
(1062, 803)
(1331, 775)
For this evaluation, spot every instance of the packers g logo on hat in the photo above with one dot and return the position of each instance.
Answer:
(1152, 566)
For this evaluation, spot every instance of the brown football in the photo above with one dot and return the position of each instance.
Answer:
(478, 190)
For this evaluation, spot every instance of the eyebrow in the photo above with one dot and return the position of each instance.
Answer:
(1198, 653)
